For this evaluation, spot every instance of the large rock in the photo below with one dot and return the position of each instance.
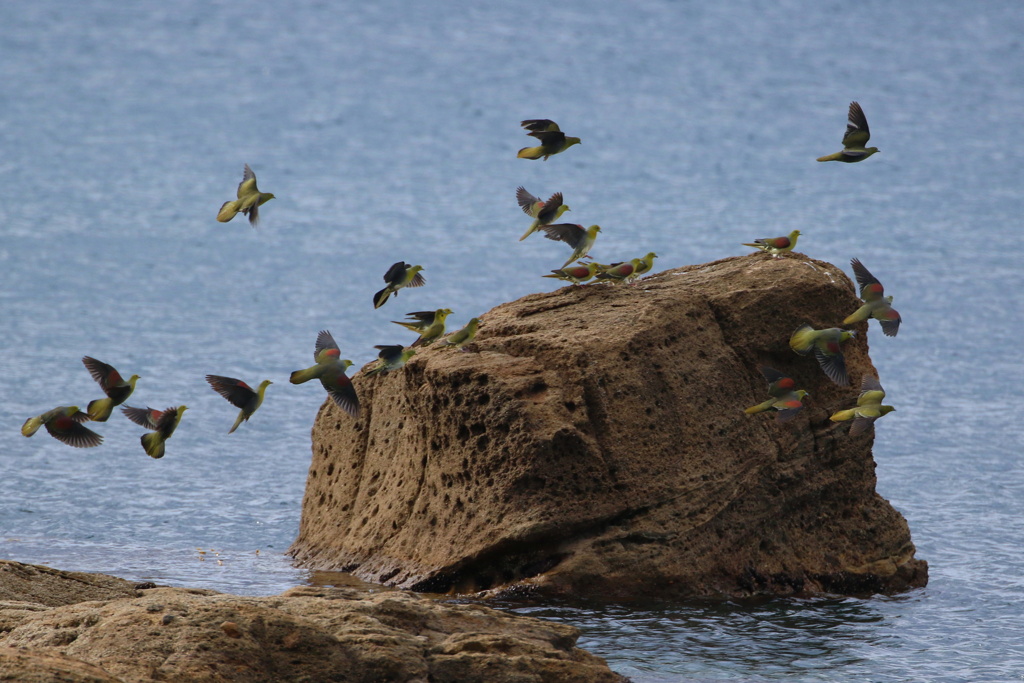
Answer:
(594, 443)
(305, 634)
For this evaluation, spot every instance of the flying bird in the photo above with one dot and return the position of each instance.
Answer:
(775, 245)
(826, 347)
(429, 324)
(64, 423)
(543, 213)
(249, 200)
(876, 304)
(857, 135)
(392, 357)
(785, 399)
(576, 236)
(400, 274)
(575, 274)
(330, 370)
(552, 139)
(240, 395)
(464, 336)
(144, 417)
(117, 389)
(153, 443)
(868, 409)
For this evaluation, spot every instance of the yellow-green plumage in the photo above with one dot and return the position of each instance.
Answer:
(429, 324)
(464, 336)
(64, 423)
(240, 395)
(399, 275)
(855, 139)
(576, 236)
(248, 202)
(575, 274)
(117, 389)
(552, 139)
(868, 409)
(543, 213)
(153, 443)
(392, 357)
(775, 245)
(826, 347)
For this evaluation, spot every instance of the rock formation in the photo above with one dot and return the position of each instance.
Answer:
(304, 634)
(594, 443)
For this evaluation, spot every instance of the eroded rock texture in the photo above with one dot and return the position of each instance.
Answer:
(594, 443)
(305, 634)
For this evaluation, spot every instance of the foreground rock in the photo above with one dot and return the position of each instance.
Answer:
(595, 444)
(305, 634)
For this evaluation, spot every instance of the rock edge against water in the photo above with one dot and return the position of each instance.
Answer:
(90, 628)
(594, 444)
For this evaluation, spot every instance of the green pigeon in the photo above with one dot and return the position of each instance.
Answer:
(543, 213)
(400, 274)
(646, 263)
(552, 139)
(577, 274)
(392, 357)
(775, 245)
(618, 272)
(144, 417)
(249, 200)
(464, 336)
(868, 409)
(429, 324)
(826, 347)
(785, 399)
(117, 389)
(240, 395)
(876, 304)
(576, 236)
(857, 135)
(64, 423)
(330, 370)
(153, 442)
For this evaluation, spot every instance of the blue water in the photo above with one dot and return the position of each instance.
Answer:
(388, 131)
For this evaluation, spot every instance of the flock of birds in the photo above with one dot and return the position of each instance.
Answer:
(66, 423)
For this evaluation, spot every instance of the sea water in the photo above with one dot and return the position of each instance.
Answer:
(388, 131)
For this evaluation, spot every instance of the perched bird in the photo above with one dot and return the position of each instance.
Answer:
(786, 399)
(392, 357)
(646, 263)
(248, 202)
(153, 442)
(618, 271)
(876, 304)
(580, 239)
(543, 213)
(399, 275)
(117, 389)
(775, 245)
(429, 324)
(868, 409)
(552, 139)
(64, 423)
(857, 135)
(144, 417)
(575, 274)
(240, 395)
(826, 347)
(464, 336)
(330, 370)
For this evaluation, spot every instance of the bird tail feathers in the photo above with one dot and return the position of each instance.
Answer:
(228, 210)
(100, 409)
(154, 444)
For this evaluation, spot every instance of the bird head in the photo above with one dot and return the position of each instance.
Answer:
(569, 142)
(801, 393)
(132, 380)
(847, 334)
(884, 410)
(345, 364)
(594, 229)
